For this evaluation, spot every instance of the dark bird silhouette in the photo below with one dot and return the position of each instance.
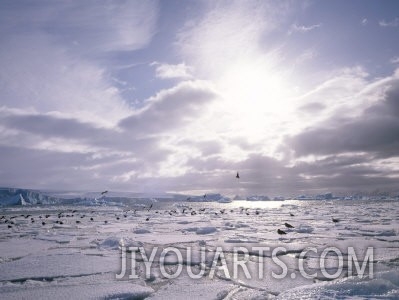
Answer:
(288, 225)
(103, 193)
(9, 226)
(291, 214)
(43, 223)
(335, 220)
(279, 231)
(91, 219)
(238, 176)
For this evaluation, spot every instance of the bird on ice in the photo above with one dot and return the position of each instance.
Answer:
(288, 225)
(238, 176)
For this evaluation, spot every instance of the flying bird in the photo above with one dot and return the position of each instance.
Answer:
(103, 193)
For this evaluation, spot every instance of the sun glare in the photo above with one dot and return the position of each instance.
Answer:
(255, 96)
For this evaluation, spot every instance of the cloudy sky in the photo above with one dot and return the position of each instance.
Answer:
(154, 96)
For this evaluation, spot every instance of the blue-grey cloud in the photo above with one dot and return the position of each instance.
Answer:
(375, 131)
(171, 109)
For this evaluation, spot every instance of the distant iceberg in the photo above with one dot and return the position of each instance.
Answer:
(13, 200)
(210, 198)
(257, 198)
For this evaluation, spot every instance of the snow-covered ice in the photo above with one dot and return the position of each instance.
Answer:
(58, 251)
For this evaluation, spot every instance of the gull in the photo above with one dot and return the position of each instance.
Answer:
(288, 225)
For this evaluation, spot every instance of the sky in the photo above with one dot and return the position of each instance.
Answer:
(299, 97)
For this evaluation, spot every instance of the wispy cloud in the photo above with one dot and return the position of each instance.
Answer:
(395, 60)
(167, 71)
(392, 23)
(303, 28)
(57, 51)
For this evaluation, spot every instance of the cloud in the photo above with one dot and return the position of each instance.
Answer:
(167, 71)
(76, 151)
(228, 31)
(395, 60)
(392, 23)
(123, 156)
(375, 131)
(313, 107)
(170, 109)
(303, 28)
(54, 56)
(86, 26)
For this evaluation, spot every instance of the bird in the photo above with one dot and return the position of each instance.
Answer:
(291, 214)
(238, 176)
(103, 193)
(148, 218)
(335, 220)
(288, 225)
(279, 231)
